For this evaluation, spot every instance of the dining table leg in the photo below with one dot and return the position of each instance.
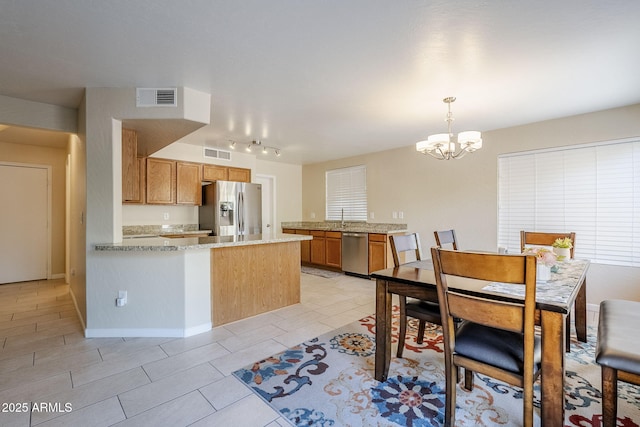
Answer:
(581, 312)
(553, 330)
(383, 329)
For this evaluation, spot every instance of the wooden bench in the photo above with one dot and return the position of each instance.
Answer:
(617, 352)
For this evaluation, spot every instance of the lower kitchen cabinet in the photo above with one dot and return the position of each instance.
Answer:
(333, 244)
(318, 247)
(377, 252)
(305, 245)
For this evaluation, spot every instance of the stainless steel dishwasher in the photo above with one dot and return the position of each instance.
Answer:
(355, 253)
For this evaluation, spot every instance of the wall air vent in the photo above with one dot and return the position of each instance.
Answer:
(214, 153)
(156, 97)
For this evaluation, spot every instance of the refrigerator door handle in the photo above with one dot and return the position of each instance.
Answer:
(241, 213)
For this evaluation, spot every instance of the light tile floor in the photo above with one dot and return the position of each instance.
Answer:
(46, 363)
(75, 381)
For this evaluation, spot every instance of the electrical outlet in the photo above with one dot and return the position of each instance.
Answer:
(400, 214)
(313, 215)
(165, 216)
(122, 299)
(394, 214)
(372, 215)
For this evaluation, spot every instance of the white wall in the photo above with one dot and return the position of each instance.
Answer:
(462, 194)
(168, 294)
(288, 180)
(103, 110)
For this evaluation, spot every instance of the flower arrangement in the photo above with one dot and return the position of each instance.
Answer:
(563, 242)
(544, 256)
(562, 248)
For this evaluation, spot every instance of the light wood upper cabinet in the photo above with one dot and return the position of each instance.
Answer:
(132, 173)
(215, 173)
(239, 174)
(188, 183)
(161, 181)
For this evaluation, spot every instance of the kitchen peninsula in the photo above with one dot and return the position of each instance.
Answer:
(206, 281)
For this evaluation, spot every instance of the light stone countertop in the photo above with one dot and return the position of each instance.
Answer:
(350, 226)
(187, 243)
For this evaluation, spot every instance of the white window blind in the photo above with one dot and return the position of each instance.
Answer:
(592, 189)
(346, 189)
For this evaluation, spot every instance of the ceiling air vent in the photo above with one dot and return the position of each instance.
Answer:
(156, 97)
(214, 153)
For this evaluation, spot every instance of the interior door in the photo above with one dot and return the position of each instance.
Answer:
(23, 223)
(268, 202)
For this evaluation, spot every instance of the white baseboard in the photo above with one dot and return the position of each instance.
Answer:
(75, 304)
(146, 332)
(198, 329)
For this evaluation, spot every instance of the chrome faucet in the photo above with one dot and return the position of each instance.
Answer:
(342, 219)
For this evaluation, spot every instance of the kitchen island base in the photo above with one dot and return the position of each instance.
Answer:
(253, 279)
(179, 287)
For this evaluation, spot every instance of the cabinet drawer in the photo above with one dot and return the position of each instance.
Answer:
(317, 233)
(334, 234)
(377, 237)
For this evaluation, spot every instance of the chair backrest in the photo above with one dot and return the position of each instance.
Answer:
(544, 239)
(514, 269)
(513, 316)
(405, 243)
(446, 237)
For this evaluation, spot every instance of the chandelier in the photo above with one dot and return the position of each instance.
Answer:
(443, 147)
(257, 144)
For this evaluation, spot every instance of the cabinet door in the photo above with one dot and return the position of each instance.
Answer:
(377, 252)
(333, 244)
(239, 174)
(161, 181)
(215, 173)
(131, 176)
(188, 183)
(318, 248)
(305, 247)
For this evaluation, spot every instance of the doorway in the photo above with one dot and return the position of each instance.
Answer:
(268, 203)
(24, 222)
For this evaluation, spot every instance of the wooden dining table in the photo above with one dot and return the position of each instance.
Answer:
(554, 300)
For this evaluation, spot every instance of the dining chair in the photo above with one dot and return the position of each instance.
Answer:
(446, 237)
(536, 238)
(497, 338)
(424, 311)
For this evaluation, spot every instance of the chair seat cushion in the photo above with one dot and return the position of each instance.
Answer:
(424, 310)
(425, 306)
(618, 346)
(497, 347)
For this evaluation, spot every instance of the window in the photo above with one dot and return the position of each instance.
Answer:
(591, 189)
(347, 190)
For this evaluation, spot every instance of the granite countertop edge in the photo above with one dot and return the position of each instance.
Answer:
(350, 227)
(161, 244)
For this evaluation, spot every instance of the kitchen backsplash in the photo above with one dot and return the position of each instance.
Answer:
(134, 230)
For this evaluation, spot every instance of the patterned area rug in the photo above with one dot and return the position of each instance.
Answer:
(320, 272)
(328, 381)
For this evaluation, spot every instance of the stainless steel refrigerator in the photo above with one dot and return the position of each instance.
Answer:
(231, 208)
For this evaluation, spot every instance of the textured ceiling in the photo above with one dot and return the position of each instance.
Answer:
(330, 79)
